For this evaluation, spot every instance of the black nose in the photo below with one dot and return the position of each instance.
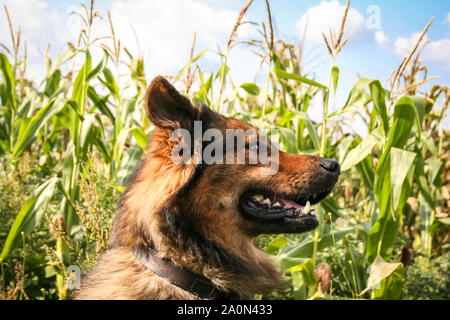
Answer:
(331, 165)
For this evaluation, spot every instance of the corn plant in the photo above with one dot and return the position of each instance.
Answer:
(391, 200)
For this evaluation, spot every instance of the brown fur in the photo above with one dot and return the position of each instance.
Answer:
(189, 213)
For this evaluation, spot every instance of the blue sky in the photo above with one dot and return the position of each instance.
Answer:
(165, 30)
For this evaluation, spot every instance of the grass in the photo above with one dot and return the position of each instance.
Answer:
(68, 145)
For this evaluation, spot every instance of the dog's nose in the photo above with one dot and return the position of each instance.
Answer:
(331, 166)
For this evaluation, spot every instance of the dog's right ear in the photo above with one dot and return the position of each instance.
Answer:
(167, 108)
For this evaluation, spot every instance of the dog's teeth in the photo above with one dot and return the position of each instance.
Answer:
(277, 204)
(258, 197)
(266, 201)
(307, 208)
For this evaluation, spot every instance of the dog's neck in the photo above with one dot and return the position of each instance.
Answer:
(256, 275)
(169, 227)
(184, 279)
(244, 269)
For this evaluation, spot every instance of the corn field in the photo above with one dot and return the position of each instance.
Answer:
(69, 142)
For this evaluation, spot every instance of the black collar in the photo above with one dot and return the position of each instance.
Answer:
(180, 277)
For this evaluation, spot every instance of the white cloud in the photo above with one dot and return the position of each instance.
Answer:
(439, 51)
(318, 19)
(165, 29)
(434, 51)
(381, 38)
(35, 20)
(39, 26)
(403, 45)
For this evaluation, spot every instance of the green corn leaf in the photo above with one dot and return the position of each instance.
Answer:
(86, 130)
(53, 83)
(358, 154)
(435, 171)
(357, 97)
(205, 89)
(141, 137)
(289, 139)
(343, 147)
(404, 116)
(251, 88)
(100, 103)
(79, 95)
(314, 136)
(9, 80)
(305, 249)
(127, 107)
(21, 127)
(29, 106)
(97, 139)
(427, 140)
(419, 104)
(130, 159)
(80, 85)
(16, 227)
(110, 83)
(385, 279)
(330, 204)
(29, 215)
(120, 143)
(401, 162)
(379, 102)
(335, 76)
(357, 89)
(391, 287)
(366, 170)
(74, 106)
(99, 68)
(358, 263)
(382, 236)
(276, 244)
(32, 128)
(292, 76)
(288, 262)
(306, 269)
(58, 62)
(422, 182)
(189, 64)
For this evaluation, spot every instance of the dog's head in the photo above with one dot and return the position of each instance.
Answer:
(228, 188)
(228, 202)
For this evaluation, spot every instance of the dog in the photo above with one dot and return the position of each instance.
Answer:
(186, 230)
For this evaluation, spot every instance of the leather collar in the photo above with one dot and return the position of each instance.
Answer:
(180, 277)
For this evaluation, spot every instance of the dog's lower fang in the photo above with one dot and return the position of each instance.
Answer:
(307, 208)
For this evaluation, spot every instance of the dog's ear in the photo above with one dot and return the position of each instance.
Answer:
(167, 108)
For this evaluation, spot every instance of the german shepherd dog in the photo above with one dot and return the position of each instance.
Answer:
(186, 230)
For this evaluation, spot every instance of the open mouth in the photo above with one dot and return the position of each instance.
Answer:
(283, 213)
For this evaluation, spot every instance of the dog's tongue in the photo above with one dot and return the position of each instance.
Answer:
(289, 203)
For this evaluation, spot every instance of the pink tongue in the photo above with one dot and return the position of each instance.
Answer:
(289, 203)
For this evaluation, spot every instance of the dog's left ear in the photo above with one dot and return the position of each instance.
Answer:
(167, 108)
